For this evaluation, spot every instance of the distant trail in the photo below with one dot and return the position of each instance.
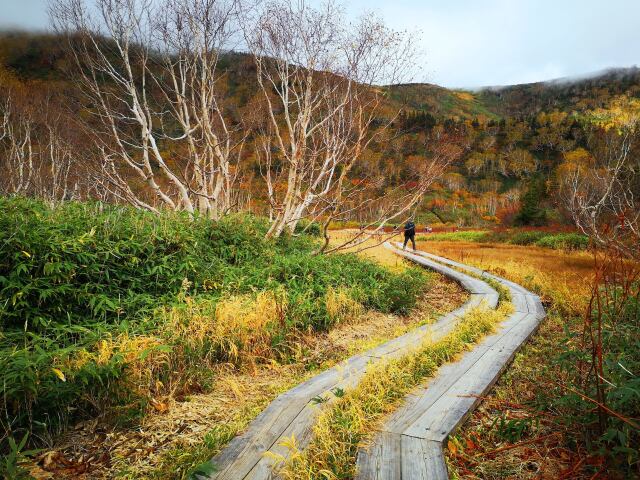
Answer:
(409, 446)
(294, 412)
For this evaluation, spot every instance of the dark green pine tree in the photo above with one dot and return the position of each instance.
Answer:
(531, 209)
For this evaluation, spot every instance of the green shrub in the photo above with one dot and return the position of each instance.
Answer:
(608, 433)
(565, 241)
(462, 236)
(87, 291)
(526, 237)
(313, 229)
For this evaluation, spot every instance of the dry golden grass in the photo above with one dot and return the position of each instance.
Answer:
(238, 326)
(372, 248)
(561, 278)
(352, 418)
(340, 305)
(141, 353)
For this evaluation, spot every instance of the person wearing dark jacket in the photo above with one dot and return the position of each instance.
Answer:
(409, 234)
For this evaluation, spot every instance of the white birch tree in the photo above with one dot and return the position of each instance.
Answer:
(321, 79)
(149, 71)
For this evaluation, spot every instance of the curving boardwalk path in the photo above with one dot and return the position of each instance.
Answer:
(409, 444)
(411, 441)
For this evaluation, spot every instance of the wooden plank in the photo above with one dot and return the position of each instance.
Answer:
(301, 429)
(514, 287)
(367, 461)
(390, 465)
(382, 460)
(431, 333)
(472, 284)
(535, 305)
(413, 461)
(320, 383)
(243, 452)
(450, 408)
(406, 341)
(477, 271)
(292, 414)
(434, 460)
(300, 426)
(475, 285)
(477, 299)
(538, 308)
(519, 302)
(446, 376)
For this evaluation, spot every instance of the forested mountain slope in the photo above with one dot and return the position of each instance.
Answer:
(513, 139)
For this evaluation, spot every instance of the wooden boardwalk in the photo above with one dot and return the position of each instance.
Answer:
(409, 445)
(294, 412)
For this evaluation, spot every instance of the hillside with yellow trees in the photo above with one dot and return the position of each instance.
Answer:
(505, 141)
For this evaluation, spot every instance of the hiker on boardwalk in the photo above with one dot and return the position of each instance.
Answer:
(409, 233)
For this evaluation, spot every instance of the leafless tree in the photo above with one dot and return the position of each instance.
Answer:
(604, 197)
(149, 70)
(35, 159)
(16, 135)
(321, 79)
(378, 207)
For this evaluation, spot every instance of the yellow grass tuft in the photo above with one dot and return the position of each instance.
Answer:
(238, 325)
(341, 306)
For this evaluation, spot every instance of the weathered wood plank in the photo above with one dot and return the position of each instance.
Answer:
(367, 461)
(448, 411)
(413, 461)
(472, 284)
(292, 414)
(434, 459)
(539, 311)
(446, 376)
(401, 420)
(300, 429)
(243, 452)
(382, 460)
(519, 302)
(434, 410)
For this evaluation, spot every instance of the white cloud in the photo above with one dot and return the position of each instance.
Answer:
(471, 43)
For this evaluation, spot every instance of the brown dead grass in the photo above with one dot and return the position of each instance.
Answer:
(98, 450)
(561, 278)
(571, 266)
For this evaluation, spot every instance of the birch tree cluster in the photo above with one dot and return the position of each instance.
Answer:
(167, 134)
(37, 158)
(160, 129)
(601, 190)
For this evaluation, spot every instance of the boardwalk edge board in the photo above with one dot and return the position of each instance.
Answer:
(416, 432)
(295, 412)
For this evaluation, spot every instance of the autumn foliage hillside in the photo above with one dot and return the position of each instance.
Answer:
(517, 140)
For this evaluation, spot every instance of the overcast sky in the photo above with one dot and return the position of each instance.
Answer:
(471, 43)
